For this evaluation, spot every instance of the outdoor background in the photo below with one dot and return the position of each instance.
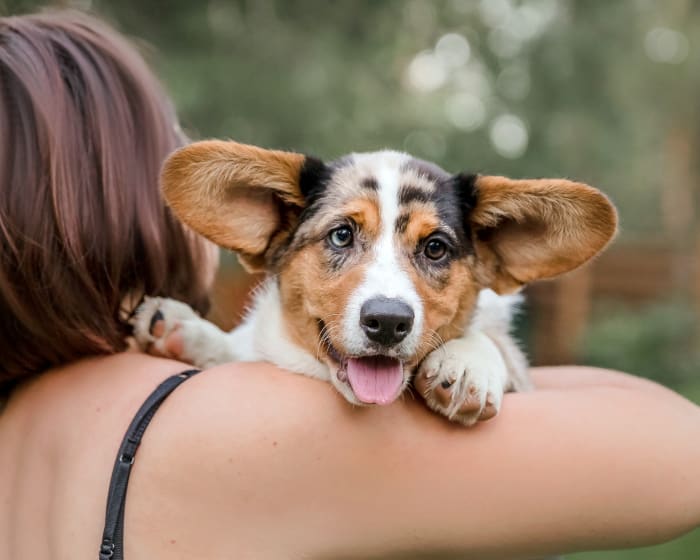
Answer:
(603, 92)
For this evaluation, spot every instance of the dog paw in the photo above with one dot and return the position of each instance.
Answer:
(464, 379)
(156, 326)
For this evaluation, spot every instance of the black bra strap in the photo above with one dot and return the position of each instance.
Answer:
(112, 537)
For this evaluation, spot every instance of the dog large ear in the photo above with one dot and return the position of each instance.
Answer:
(527, 230)
(240, 197)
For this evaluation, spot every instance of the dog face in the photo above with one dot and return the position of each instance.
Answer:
(380, 256)
(379, 267)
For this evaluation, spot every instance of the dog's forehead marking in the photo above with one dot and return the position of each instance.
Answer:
(403, 187)
(384, 276)
(392, 177)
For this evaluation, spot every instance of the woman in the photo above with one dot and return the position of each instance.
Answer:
(244, 461)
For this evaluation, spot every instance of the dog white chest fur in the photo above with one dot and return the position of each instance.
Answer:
(381, 268)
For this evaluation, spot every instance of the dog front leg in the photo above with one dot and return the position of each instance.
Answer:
(466, 377)
(166, 327)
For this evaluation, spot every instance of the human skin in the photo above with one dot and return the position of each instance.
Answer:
(246, 461)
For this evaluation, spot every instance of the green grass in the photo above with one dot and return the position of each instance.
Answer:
(684, 548)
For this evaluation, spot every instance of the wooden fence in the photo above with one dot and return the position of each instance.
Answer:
(633, 273)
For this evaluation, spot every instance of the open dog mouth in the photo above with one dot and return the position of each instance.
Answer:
(374, 379)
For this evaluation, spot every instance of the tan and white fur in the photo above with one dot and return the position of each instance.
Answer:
(378, 264)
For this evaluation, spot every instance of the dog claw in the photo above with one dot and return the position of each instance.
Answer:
(157, 316)
(489, 412)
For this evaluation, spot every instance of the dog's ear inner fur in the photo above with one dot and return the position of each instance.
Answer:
(241, 197)
(527, 230)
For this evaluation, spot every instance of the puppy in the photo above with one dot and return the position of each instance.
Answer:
(379, 266)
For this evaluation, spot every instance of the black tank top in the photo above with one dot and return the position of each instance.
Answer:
(113, 535)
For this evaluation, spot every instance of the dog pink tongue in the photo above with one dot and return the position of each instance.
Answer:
(375, 379)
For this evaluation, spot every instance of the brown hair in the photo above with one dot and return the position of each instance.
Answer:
(84, 128)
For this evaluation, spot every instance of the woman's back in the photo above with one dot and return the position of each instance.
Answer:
(59, 437)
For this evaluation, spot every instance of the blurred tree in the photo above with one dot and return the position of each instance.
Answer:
(602, 92)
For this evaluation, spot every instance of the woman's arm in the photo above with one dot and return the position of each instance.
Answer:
(580, 377)
(252, 462)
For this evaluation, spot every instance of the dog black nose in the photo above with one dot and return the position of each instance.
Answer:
(386, 321)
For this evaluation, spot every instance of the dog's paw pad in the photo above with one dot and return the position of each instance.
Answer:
(174, 343)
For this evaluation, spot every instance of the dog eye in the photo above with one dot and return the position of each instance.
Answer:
(341, 237)
(435, 249)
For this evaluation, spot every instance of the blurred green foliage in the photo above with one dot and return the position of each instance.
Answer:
(657, 342)
(604, 92)
(589, 90)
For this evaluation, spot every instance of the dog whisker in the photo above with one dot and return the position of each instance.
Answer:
(329, 329)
